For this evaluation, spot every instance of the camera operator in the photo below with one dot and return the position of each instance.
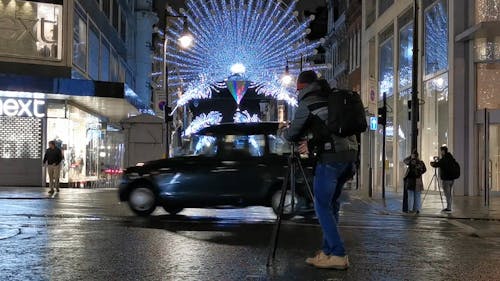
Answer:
(335, 164)
(448, 172)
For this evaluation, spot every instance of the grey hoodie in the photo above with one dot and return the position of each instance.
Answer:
(346, 149)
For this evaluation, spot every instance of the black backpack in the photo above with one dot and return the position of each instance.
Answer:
(346, 113)
(453, 170)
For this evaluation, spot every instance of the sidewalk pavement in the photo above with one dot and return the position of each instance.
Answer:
(464, 207)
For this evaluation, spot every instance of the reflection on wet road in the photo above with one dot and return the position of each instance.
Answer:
(88, 235)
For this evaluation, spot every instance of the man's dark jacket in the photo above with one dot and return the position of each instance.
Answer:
(311, 114)
(53, 156)
(444, 164)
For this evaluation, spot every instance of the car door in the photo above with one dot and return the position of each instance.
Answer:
(241, 167)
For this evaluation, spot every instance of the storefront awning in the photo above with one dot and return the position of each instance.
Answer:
(114, 101)
(480, 30)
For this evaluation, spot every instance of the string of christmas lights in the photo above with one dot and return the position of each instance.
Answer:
(250, 38)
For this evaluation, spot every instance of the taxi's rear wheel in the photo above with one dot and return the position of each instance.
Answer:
(288, 211)
(173, 210)
(142, 200)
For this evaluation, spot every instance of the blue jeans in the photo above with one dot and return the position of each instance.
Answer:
(414, 200)
(328, 182)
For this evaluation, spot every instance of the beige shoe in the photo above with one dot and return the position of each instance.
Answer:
(318, 256)
(333, 262)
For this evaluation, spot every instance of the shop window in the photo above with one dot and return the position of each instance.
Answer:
(488, 85)
(80, 40)
(383, 5)
(487, 11)
(78, 137)
(405, 56)
(436, 37)
(386, 70)
(386, 82)
(105, 58)
(94, 46)
(434, 118)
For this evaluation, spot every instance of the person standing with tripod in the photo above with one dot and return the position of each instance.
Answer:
(449, 171)
(336, 157)
(413, 181)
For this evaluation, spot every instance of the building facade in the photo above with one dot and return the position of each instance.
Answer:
(69, 72)
(459, 74)
(343, 44)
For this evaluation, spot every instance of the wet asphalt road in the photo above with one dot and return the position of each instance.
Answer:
(88, 235)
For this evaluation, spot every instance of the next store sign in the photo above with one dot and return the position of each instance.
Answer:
(22, 107)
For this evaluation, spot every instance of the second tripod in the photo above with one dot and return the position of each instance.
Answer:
(435, 180)
(289, 184)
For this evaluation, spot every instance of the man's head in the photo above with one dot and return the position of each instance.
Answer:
(52, 144)
(306, 78)
(444, 150)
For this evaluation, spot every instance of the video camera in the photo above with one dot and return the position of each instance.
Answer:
(435, 159)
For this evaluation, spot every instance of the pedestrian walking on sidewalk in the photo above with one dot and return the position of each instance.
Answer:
(52, 160)
(413, 181)
(449, 171)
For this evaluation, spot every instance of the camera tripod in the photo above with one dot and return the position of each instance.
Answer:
(289, 181)
(435, 180)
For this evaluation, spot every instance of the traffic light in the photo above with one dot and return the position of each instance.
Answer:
(382, 115)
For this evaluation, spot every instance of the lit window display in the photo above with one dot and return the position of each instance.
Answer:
(386, 84)
(487, 10)
(405, 82)
(436, 37)
(78, 137)
(488, 85)
(386, 74)
(434, 118)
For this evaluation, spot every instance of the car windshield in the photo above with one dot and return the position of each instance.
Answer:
(249, 146)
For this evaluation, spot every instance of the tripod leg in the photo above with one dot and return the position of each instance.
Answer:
(309, 190)
(440, 194)
(276, 232)
(427, 191)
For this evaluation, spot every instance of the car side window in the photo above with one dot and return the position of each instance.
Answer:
(278, 145)
(204, 146)
(243, 146)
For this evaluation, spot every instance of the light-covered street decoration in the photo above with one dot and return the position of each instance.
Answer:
(252, 39)
(245, 117)
(203, 121)
(238, 89)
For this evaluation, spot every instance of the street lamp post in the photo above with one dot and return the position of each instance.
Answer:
(185, 41)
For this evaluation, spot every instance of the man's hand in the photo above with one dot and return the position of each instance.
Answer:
(303, 148)
(283, 125)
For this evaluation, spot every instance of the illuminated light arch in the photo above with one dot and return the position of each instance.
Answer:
(251, 38)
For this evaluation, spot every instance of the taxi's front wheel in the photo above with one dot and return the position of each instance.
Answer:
(142, 201)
